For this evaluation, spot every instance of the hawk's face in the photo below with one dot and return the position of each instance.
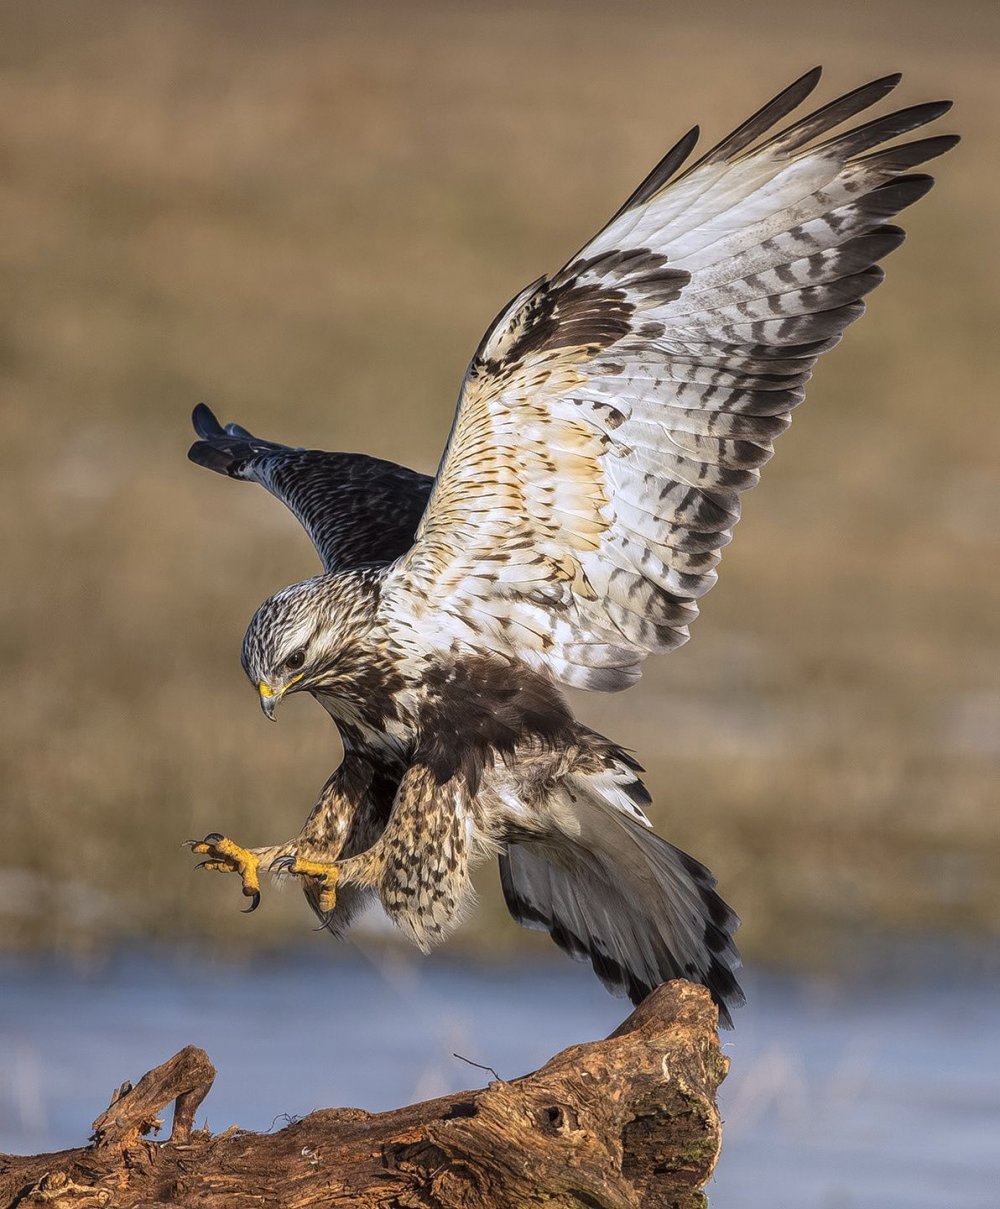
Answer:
(298, 636)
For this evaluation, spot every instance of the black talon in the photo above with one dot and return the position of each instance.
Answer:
(201, 864)
(281, 862)
(254, 904)
(213, 837)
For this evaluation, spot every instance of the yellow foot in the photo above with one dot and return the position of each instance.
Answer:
(324, 873)
(227, 857)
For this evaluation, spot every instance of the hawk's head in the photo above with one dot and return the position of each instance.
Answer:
(302, 637)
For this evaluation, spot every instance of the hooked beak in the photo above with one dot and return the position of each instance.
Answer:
(268, 699)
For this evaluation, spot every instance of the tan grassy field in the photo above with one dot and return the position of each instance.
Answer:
(306, 214)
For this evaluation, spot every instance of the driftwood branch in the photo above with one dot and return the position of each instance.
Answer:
(623, 1123)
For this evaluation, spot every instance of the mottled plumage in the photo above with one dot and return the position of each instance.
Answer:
(607, 425)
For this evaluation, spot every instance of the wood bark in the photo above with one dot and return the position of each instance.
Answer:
(623, 1123)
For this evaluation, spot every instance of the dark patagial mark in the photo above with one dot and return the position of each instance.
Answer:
(571, 316)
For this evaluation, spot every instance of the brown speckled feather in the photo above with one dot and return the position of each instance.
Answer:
(607, 425)
(615, 412)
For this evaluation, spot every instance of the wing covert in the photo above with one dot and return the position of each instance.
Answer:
(614, 413)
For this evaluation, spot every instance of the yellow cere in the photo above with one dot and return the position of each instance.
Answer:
(267, 692)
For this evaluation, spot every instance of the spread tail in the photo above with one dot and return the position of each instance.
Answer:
(617, 895)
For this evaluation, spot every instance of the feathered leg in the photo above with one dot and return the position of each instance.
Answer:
(418, 866)
(348, 816)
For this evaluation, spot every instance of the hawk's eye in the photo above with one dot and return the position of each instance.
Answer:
(295, 660)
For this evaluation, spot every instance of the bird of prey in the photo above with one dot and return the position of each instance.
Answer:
(606, 427)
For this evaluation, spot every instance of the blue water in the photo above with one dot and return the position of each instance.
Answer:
(868, 1097)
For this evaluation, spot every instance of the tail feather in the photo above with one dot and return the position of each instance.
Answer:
(617, 895)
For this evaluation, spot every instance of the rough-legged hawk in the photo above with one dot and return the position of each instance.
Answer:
(607, 424)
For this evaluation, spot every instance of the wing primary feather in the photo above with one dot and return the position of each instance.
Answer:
(205, 423)
(761, 121)
(909, 155)
(880, 130)
(355, 508)
(662, 173)
(887, 200)
(611, 406)
(228, 448)
(830, 115)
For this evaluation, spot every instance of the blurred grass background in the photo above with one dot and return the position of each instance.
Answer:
(306, 213)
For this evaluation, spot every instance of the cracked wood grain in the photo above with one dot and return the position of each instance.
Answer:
(629, 1122)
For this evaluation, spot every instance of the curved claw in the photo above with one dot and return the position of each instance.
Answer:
(224, 856)
(324, 874)
(213, 837)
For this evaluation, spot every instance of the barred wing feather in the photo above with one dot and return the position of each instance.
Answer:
(614, 412)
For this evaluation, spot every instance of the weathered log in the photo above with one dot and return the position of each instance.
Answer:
(616, 1124)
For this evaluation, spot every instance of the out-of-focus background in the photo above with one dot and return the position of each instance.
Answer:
(305, 214)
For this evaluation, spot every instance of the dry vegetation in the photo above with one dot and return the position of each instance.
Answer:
(306, 213)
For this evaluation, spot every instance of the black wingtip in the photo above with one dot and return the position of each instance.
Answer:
(930, 111)
(205, 423)
(799, 89)
(662, 173)
(763, 120)
(204, 453)
(226, 448)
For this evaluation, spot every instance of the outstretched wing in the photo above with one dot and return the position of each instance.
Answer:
(614, 412)
(355, 508)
